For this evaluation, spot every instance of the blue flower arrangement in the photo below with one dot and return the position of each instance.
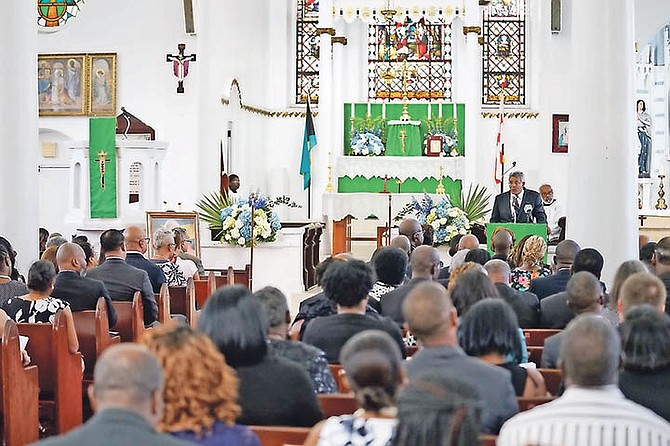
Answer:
(368, 142)
(236, 222)
(447, 220)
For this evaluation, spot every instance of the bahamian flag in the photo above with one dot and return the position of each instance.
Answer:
(102, 167)
(308, 143)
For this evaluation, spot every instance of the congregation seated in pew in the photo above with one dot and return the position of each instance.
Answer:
(9, 287)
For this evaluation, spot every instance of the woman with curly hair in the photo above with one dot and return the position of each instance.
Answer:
(200, 391)
(531, 266)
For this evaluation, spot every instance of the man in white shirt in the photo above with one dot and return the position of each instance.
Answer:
(554, 210)
(592, 411)
(233, 187)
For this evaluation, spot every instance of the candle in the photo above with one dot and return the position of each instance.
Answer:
(439, 110)
(352, 111)
(384, 110)
(368, 109)
(454, 110)
(429, 111)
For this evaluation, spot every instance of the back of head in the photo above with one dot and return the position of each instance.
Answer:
(625, 270)
(590, 352)
(642, 288)
(437, 410)
(515, 257)
(390, 265)
(49, 255)
(645, 336)
(490, 326)
(478, 255)
(200, 388)
(584, 292)
(502, 240)
(55, 241)
(426, 310)
(236, 322)
(126, 376)
(89, 253)
(112, 240)
(373, 363)
(12, 257)
(456, 271)
(411, 228)
(323, 265)
(402, 242)
(468, 241)
(588, 259)
(471, 287)
(662, 251)
(347, 283)
(647, 252)
(274, 304)
(424, 261)
(68, 252)
(533, 251)
(40, 275)
(453, 244)
(162, 238)
(566, 251)
(499, 270)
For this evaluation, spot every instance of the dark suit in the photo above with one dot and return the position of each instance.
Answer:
(122, 280)
(392, 301)
(156, 276)
(502, 212)
(551, 351)
(554, 311)
(546, 286)
(114, 427)
(494, 384)
(82, 293)
(525, 305)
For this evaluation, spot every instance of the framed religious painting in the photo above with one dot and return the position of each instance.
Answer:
(171, 220)
(560, 135)
(102, 84)
(61, 79)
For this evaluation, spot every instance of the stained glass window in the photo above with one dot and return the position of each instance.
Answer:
(504, 52)
(307, 52)
(53, 14)
(412, 58)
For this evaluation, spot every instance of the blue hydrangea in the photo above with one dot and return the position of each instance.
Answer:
(225, 213)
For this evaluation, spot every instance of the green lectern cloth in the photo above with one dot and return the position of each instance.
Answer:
(413, 142)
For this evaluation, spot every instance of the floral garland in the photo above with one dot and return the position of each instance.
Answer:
(236, 222)
(446, 219)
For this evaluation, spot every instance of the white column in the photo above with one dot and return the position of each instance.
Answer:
(19, 198)
(602, 211)
(324, 121)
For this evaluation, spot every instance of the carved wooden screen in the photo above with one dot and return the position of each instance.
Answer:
(504, 52)
(417, 54)
(307, 52)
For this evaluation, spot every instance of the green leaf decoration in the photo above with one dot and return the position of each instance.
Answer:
(210, 207)
(475, 202)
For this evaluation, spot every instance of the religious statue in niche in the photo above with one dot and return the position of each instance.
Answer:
(644, 135)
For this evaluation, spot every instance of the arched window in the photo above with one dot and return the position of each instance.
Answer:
(52, 15)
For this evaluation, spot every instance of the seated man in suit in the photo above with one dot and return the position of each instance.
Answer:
(554, 310)
(563, 259)
(121, 279)
(525, 304)
(502, 241)
(661, 262)
(432, 319)
(518, 205)
(412, 229)
(127, 397)
(554, 210)
(585, 295)
(82, 293)
(137, 244)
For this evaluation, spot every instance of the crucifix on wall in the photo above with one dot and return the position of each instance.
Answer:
(180, 63)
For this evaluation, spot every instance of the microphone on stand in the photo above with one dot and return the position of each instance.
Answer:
(510, 168)
(528, 208)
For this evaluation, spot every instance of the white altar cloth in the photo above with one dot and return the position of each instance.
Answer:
(361, 205)
(402, 167)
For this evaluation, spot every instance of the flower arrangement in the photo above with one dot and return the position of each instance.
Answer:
(367, 143)
(442, 128)
(446, 219)
(236, 222)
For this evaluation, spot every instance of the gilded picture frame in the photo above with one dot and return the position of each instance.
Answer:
(171, 220)
(101, 89)
(61, 84)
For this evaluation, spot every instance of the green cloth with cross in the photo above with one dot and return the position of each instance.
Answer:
(411, 134)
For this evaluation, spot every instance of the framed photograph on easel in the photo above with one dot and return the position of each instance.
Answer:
(171, 220)
(560, 135)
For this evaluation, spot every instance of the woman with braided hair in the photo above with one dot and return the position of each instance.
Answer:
(531, 265)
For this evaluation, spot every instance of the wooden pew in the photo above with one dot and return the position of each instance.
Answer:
(60, 374)
(93, 333)
(130, 318)
(232, 276)
(182, 301)
(552, 379)
(280, 435)
(334, 404)
(339, 374)
(535, 337)
(163, 303)
(19, 392)
(530, 402)
(535, 355)
(204, 289)
(487, 440)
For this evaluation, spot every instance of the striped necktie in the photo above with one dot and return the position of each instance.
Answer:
(517, 207)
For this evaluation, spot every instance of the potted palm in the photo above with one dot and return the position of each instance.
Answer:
(210, 207)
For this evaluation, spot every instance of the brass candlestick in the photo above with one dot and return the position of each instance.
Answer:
(440, 187)
(639, 198)
(661, 205)
(329, 186)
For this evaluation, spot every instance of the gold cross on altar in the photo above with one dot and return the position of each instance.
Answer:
(403, 137)
(102, 161)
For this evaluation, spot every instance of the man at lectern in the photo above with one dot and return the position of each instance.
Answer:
(518, 205)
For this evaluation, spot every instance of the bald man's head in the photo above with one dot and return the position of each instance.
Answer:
(128, 376)
(502, 242)
(585, 294)
(425, 263)
(641, 288)
(565, 253)
(411, 228)
(135, 238)
(498, 270)
(71, 257)
(430, 314)
(468, 241)
(402, 242)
